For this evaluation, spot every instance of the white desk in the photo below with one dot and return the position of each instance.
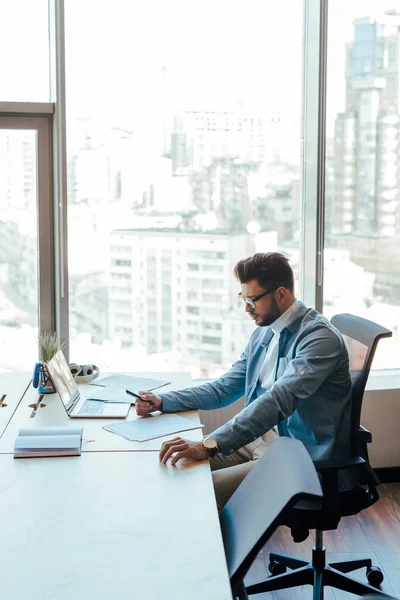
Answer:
(12, 388)
(51, 413)
(109, 526)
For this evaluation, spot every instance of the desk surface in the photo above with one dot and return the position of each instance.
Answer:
(12, 388)
(109, 525)
(51, 413)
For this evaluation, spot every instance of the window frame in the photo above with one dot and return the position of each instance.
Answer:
(27, 116)
(313, 149)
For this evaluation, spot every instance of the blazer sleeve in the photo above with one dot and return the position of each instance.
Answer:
(223, 391)
(317, 356)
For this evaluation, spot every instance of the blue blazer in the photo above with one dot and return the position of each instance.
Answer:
(310, 399)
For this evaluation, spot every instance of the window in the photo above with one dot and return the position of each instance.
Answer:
(18, 247)
(192, 267)
(215, 341)
(25, 247)
(362, 234)
(193, 160)
(191, 163)
(121, 263)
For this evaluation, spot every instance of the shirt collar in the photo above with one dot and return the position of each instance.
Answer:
(286, 318)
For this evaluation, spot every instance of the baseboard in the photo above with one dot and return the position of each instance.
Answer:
(388, 474)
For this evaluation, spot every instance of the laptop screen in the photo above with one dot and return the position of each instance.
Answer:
(63, 380)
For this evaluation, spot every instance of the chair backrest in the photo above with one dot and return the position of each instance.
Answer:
(361, 337)
(284, 475)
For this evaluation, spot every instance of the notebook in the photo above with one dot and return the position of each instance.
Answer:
(48, 441)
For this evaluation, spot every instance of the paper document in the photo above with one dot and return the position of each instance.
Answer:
(148, 428)
(136, 384)
(109, 394)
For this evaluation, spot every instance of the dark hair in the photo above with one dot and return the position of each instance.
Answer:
(270, 269)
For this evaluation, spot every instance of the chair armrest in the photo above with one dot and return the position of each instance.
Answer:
(364, 435)
(335, 465)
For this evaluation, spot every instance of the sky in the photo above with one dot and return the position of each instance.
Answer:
(218, 54)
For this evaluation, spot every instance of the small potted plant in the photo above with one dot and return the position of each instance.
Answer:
(47, 346)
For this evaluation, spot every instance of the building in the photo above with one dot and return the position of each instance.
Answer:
(366, 154)
(223, 188)
(200, 137)
(18, 176)
(363, 176)
(174, 291)
(101, 165)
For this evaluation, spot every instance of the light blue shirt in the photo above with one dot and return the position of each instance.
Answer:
(268, 370)
(310, 399)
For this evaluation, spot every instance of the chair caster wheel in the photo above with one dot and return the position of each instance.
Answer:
(374, 576)
(276, 568)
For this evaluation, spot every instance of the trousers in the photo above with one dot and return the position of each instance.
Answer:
(229, 471)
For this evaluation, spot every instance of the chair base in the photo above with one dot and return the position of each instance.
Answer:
(318, 574)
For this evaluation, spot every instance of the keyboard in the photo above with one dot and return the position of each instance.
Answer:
(92, 407)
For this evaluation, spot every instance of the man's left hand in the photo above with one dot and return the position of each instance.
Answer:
(180, 448)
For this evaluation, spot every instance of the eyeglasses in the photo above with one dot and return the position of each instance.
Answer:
(252, 301)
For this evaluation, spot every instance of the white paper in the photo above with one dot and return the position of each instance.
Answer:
(113, 395)
(148, 428)
(130, 382)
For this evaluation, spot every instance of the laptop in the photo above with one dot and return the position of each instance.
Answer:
(76, 405)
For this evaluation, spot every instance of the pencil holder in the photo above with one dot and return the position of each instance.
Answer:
(42, 380)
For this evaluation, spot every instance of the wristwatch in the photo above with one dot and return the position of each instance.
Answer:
(210, 445)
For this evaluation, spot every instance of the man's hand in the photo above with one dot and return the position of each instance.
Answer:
(180, 448)
(145, 408)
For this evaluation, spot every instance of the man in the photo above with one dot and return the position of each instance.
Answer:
(294, 374)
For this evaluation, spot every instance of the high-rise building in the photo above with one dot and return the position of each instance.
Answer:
(174, 292)
(200, 137)
(366, 167)
(101, 165)
(18, 178)
(223, 188)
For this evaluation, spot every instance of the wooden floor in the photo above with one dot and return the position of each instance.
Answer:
(374, 533)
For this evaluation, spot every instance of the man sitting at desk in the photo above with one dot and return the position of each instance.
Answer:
(294, 374)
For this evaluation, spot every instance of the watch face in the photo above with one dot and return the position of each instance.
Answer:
(210, 443)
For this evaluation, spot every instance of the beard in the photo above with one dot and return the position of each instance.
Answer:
(272, 315)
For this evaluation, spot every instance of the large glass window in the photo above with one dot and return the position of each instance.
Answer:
(18, 250)
(183, 131)
(362, 225)
(26, 239)
(24, 51)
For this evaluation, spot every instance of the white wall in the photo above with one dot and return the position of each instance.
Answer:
(381, 416)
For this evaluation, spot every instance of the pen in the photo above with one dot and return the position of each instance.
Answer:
(140, 398)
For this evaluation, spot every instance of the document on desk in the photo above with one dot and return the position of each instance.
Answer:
(109, 394)
(153, 426)
(131, 382)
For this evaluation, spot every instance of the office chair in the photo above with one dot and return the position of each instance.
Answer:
(361, 337)
(248, 521)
